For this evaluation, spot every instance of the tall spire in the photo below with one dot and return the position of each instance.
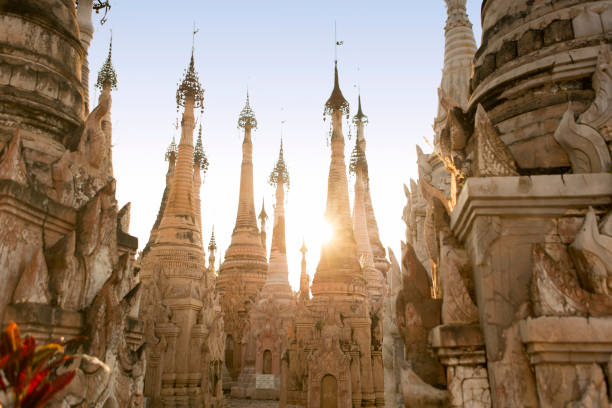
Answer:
(304, 280)
(459, 50)
(245, 255)
(177, 259)
(170, 157)
(359, 158)
(245, 266)
(339, 265)
(180, 210)
(374, 279)
(212, 248)
(263, 217)
(199, 156)
(277, 282)
(198, 159)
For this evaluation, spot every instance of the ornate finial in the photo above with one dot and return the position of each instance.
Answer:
(107, 72)
(336, 101)
(358, 159)
(190, 86)
(262, 213)
(280, 174)
(199, 157)
(247, 116)
(195, 31)
(212, 245)
(172, 150)
(360, 117)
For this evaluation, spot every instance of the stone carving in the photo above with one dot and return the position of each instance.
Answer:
(558, 293)
(599, 114)
(587, 23)
(123, 217)
(457, 304)
(492, 156)
(592, 255)
(66, 277)
(329, 359)
(455, 133)
(585, 147)
(12, 164)
(417, 313)
(510, 237)
(33, 287)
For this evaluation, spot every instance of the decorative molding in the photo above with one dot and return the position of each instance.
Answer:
(584, 146)
(492, 156)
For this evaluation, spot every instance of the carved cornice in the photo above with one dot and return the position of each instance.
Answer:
(544, 196)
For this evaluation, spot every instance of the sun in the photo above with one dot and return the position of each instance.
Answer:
(325, 232)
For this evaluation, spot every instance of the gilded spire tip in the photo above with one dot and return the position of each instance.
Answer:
(247, 116)
(107, 73)
(360, 117)
(190, 87)
(212, 245)
(336, 100)
(280, 173)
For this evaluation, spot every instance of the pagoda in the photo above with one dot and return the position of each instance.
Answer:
(183, 324)
(273, 314)
(331, 360)
(244, 269)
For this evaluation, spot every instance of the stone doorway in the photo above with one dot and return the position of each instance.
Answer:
(329, 392)
(229, 353)
(267, 362)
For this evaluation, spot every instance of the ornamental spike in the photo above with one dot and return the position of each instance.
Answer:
(212, 245)
(360, 117)
(280, 174)
(247, 116)
(336, 100)
(107, 73)
(190, 87)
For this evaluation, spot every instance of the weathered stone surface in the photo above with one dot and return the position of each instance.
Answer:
(565, 376)
(584, 146)
(63, 273)
(33, 287)
(592, 254)
(535, 245)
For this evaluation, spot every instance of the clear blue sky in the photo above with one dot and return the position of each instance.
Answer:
(283, 51)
